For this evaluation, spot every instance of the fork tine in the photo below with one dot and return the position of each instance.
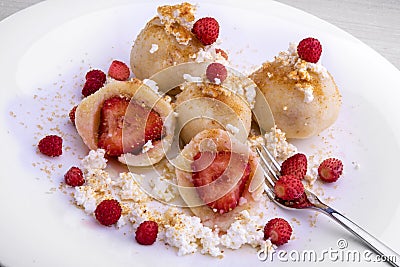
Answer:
(270, 182)
(274, 176)
(272, 158)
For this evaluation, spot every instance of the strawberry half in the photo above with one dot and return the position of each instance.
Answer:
(119, 71)
(212, 177)
(154, 127)
(125, 125)
(330, 170)
(295, 165)
(278, 230)
(288, 187)
(206, 30)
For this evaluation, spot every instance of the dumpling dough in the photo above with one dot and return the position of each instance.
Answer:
(165, 42)
(217, 140)
(87, 119)
(204, 106)
(303, 96)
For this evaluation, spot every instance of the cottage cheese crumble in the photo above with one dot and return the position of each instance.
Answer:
(152, 84)
(178, 20)
(177, 229)
(95, 160)
(277, 144)
(153, 49)
(190, 78)
(210, 54)
(245, 230)
(146, 147)
(302, 71)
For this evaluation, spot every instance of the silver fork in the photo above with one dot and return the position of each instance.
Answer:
(310, 200)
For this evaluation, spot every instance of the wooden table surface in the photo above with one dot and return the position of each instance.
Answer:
(375, 22)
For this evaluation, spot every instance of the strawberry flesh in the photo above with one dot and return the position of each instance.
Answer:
(214, 182)
(125, 126)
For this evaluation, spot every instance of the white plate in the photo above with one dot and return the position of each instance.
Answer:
(46, 50)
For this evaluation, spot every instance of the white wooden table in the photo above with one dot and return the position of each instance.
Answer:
(375, 22)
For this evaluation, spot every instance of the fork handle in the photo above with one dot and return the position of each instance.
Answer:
(377, 246)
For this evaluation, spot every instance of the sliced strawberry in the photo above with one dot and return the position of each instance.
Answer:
(214, 182)
(154, 127)
(122, 126)
(295, 165)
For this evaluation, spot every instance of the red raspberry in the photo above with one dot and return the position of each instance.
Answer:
(206, 30)
(146, 233)
(216, 71)
(74, 177)
(72, 114)
(97, 75)
(91, 86)
(222, 52)
(108, 212)
(51, 145)
(295, 165)
(119, 71)
(309, 49)
(330, 170)
(278, 230)
(288, 187)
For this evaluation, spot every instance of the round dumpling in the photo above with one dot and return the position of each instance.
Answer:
(237, 187)
(205, 105)
(166, 40)
(303, 96)
(129, 120)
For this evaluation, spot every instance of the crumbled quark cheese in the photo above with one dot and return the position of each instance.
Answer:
(97, 187)
(275, 141)
(245, 230)
(301, 67)
(152, 84)
(190, 78)
(95, 160)
(153, 49)
(308, 91)
(129, 188)
(177, 229)
(178, 20)
(243, 87)
(187, 233)
(210, 54)
(301, 71)
(85, 197)
(277, 144)
(163, 189)
(146, 147)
